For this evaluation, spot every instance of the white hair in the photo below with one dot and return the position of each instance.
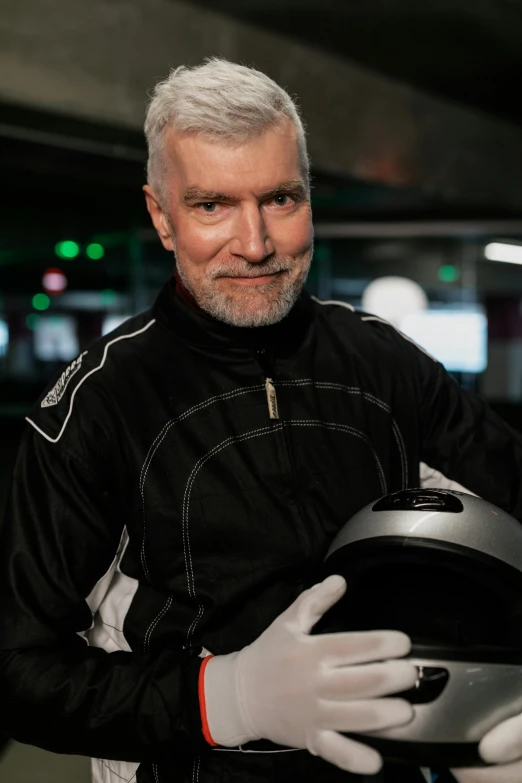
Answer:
(222, 100)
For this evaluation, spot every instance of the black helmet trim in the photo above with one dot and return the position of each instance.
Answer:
(465, 603)
(410, 546)
(437, 755)
(477, 655)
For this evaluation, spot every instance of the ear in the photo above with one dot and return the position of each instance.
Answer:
(158, 218)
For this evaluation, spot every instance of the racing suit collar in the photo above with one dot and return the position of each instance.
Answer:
(180, 314)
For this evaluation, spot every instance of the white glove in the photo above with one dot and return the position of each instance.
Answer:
(503, 746)
(300, 690)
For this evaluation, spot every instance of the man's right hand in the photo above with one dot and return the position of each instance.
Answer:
(303, 691)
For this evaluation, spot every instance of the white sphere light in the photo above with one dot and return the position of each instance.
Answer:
(392, 298)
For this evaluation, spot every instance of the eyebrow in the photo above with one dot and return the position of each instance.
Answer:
(290, 186)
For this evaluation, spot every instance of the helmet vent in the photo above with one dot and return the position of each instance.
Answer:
(420, 500)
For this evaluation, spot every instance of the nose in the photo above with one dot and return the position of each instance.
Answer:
(251, 240)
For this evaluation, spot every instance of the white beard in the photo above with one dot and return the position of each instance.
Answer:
(261, 305)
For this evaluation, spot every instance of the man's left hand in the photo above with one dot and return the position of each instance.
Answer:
(501, 746)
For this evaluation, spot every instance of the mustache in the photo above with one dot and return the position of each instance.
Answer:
(233, 269)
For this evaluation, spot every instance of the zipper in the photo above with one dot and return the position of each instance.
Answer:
(265, 358)
(271, 398)
(266, 363)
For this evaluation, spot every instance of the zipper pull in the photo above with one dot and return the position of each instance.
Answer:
(271, 398)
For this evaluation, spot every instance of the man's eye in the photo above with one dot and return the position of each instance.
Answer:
(282, 200)
(208, 206)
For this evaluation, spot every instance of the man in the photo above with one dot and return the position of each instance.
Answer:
(178, 486)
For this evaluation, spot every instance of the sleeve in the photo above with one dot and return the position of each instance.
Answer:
(61, 529)
(463, 438)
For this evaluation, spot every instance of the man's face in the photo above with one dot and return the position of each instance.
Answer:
(239, 222)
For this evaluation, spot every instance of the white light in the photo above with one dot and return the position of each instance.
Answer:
(501, 251)
(392, 298)
(111, 322)
(457, 338)
(4, 337)
(55, 338)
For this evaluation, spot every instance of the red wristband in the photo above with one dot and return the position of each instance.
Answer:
(202, 703)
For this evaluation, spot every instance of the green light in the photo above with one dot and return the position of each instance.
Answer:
(321, 251)
(32, 321)
(108, 297)
(67, 249)
(95, 251)
(41, 301)
(448, 273)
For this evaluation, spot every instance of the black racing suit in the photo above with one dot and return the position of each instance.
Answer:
(157, 508)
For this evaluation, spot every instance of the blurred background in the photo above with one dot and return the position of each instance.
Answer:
(415, 134)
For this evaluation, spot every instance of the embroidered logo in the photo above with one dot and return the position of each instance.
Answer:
(58, 390)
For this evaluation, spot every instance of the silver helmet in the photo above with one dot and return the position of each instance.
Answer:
(445, 567)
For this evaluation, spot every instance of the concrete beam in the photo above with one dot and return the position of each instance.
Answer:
(419, 228)
(97, 60)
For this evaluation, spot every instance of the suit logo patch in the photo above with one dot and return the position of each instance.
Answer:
(58, 390)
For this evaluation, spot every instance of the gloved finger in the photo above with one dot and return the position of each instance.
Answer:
(347, 649)
(367, 715)
(365, 682)
(503, 773)
(310, 606)
(346, 754)
(503, 743)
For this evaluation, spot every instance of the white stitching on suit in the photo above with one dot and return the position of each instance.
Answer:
(371, 398)
(195, 769)
(345, 428)
(199, 406)
(188, 488)
(381, 320)
(152, 626)
(159, 440)
(238, 439)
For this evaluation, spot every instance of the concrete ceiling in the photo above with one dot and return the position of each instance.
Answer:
(72, 151)
(467, 50)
